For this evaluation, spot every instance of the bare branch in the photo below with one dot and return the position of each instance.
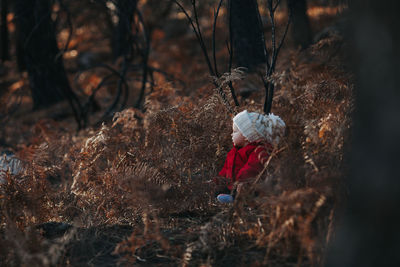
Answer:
(263, 38)
(270, 97)
(121, 82)
(230, 46)
(284, 35)
(188, 17)
(230, 51)
(273, 32)
(145, 60)
(230, 55)
(90, 101)
(70, 28)
(213, 37)
(276, 5)
(121, 85)
(269, 85)
(197, 31)
(196, 17)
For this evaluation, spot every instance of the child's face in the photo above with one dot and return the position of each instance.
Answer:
(237, 137)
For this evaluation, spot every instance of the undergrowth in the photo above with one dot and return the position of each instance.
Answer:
(150, 171)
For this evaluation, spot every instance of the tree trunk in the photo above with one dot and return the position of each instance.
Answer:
(122, 37)
(369, 234)
(40, 54)
(300, 29)
(247, 34)
(4, 31)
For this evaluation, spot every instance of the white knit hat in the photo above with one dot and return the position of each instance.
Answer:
(255, 126)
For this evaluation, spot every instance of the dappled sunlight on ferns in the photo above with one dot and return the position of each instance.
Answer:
(150, 170)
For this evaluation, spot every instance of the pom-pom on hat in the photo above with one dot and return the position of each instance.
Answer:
(255, 126)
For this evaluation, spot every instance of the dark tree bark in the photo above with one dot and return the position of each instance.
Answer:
(4, 31)
(300, 29)
(122, 36)
(369, 234)
(247, 34)
(39, 52)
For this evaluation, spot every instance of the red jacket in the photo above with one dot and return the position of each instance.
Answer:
(244, 163)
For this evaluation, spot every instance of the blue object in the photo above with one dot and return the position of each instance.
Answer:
(225, 198)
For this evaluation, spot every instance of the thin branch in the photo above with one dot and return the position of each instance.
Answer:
(213, 37)
(121, 82)
(266, 86)
(230, 46)
(151, 75)
(284, 34)
(276, 5)
(124, 97)
(233, 94)
(272, 16)
(89, 102)
(269, 85)
(199, 36)
(108, 67)
(198, 33)
(70, 28)
(145, 60)
(101, 83)
(263, 39)
(270, 97)
(167, 75)
(230, 83)
(151, 69)
(230, 51)
(196, 17)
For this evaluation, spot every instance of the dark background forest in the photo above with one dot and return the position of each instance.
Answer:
(116, 114)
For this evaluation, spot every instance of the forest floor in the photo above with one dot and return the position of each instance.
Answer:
(134, 191)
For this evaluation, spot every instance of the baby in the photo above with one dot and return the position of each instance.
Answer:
(253, 136)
